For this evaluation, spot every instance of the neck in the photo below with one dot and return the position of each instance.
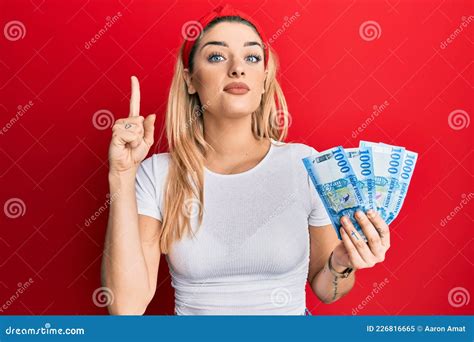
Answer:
(230, 137)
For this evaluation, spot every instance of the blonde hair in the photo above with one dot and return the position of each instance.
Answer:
(184, 186)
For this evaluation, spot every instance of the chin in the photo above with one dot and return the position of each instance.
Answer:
(238, 108)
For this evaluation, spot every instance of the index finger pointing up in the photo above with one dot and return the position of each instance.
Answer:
(135, 98)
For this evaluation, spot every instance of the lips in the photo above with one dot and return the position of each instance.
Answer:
(237, 88)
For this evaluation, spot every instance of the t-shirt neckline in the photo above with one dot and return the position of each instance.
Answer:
(253, 169)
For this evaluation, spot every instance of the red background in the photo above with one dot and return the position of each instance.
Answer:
(55, 160)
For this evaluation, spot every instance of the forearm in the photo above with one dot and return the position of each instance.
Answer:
(124, 268)
(330, 288)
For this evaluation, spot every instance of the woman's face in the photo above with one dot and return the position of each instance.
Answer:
(229, 52)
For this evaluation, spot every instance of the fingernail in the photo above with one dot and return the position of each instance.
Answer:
(358, 214)
(344, 219)
(371, 213)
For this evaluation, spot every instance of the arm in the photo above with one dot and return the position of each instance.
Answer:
(132, 253)
(328, 288)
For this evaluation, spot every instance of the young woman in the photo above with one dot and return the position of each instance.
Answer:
(230, 206)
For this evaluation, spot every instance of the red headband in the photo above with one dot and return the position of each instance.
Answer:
(192, 30)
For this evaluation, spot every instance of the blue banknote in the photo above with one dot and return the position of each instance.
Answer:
(387, 166)
(372, 176)
(363, 165)
(337, 185)
(406, 173)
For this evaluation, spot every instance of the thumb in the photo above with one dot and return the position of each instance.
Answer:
(149, 128)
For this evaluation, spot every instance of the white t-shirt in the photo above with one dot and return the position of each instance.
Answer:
(251, 254)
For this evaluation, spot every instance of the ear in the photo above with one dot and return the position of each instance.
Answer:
(188, 79)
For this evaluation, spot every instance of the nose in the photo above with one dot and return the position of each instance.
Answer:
(236, 69)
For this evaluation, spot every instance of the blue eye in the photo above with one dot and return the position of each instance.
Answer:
(217, 57)
(213, 57)
(255, 59)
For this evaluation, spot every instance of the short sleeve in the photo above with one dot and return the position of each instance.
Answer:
(148, 186)
(318, 215)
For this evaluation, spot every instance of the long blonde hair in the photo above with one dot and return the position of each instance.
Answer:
(184, 186)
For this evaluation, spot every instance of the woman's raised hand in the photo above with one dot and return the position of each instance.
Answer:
(132, 137)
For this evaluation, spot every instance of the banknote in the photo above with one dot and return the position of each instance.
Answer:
(387, 166)
(406, 173)
(371, 176)
(363, 165)
(337, 185)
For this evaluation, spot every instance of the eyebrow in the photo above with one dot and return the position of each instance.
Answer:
(225, 44)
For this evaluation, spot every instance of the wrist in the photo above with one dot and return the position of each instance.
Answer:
(127, 174)
(339, 271)
(119, 178)
(336, 266)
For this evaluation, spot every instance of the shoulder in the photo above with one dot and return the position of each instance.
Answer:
(155, 166)
(157, 160)
(297, 150)
(291, 154)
